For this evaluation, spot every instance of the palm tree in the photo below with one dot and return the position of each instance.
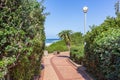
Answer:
(65, 35)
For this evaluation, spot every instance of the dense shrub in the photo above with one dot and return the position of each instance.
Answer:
(110, 22)
(100, 49)
(76, 38)
(77, 48)
(107, 54)
(77, 53)
(57, 46)
(22, 38)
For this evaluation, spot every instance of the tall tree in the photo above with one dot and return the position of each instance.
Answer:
(117, 8)
(65, 35)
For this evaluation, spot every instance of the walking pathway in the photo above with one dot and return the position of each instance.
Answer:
(60, 68)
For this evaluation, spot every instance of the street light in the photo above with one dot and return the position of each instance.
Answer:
(85, 9)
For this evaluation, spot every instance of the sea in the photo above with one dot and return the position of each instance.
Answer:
(50, 41)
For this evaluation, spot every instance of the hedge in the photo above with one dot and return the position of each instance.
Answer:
(107, 55)
(102, 49)
(77, 53)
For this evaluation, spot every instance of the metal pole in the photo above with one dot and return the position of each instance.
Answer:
(84, 23)
(85, 9)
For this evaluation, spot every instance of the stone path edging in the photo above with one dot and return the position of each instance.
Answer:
(77, 65)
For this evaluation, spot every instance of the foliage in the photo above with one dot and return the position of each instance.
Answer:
(107, 53)
(102, 44)
(4, 63)
(57, 46)
(65, 35)
(110, 22)
(76, 38)
(77, 49)
(117, 8)
(77, 53)
(22, 38)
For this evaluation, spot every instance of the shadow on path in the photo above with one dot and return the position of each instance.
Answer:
(42, 67)
(81, 70)
(63, 56)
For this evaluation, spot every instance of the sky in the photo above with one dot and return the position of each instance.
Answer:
(68, 15)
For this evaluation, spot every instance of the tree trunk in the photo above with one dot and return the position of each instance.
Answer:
(8, 76)
(68, 47)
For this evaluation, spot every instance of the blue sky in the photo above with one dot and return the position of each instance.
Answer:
(68, 14)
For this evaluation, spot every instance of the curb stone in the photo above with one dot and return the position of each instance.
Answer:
(83, 68)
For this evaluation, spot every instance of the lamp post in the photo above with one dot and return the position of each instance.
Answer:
(85, 9)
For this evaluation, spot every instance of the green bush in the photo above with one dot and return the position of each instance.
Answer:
(107, 53)
(22, 38)
(76, 38)
(77, 47)
(100, 41)
(77, 53)
(57, 46)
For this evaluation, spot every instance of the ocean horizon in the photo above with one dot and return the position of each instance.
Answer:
(50, 41)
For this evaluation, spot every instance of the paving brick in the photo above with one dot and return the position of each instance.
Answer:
(57, 67)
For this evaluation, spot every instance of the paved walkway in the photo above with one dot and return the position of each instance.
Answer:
(60, 68)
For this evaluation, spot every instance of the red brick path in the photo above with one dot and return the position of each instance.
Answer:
(59, 68)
